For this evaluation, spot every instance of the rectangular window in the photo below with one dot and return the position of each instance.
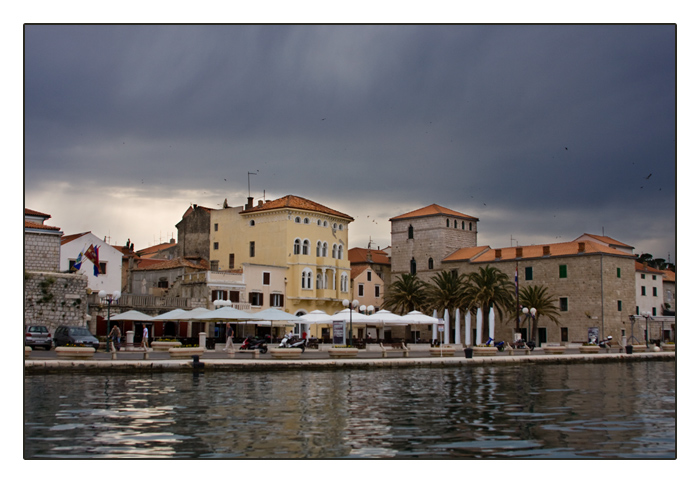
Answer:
(276, 300)
(562, 271)
(528, 273)
(644, 290)
(234, 296)
(218, 295)
(256, 299)
(231, 261)
(216, 245)
(653, 291)
(214, 265)
(653, 277)
(563, 304)
(266, 278)
(619, 305)
(216, 227)
(103, 268)
(361, 289)
(564, 334)
(369, 276)
(252, 249)
(376, 291)
(636, 310)
(643, 276)
(653, 311)
(619, 272)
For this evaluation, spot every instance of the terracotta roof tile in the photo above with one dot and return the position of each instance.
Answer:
(40, 226)
(29, 212)
(640, 267)
(69, 238)
(359, 255)
(555, 250)
(608, 241)
(356, 270)
(669, 276)
(433, 210)
(466, 253)
(297, 202)
(150, 264)
(144, 252)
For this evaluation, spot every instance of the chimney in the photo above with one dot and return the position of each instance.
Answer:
(545, 250)
(260, 202)
(518, 252)
(249, 205)
(581, 247)
(498, 253)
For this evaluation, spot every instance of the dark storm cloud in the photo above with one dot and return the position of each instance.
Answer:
(519, 123)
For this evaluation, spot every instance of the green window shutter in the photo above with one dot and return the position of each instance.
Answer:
(528, 273)
(618, 272)
(562, 271)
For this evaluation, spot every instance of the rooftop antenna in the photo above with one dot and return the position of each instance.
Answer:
(249, 173)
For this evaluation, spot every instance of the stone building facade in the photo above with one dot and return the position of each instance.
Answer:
(193, 233)
(421, 239)
(42, 243)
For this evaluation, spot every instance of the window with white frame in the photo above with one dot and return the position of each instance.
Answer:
(324, 249)
(360, 289)
(305, 247)
(306, 279)
(343, 282)
(255, 299)
(318, 248)
(297, 246)
(335, 251)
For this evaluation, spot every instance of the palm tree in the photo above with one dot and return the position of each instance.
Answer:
(537, 297)
(489, 287)
(446, 292)
(405, 294)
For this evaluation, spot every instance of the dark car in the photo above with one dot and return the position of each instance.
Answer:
(37, 336)
(79, 336)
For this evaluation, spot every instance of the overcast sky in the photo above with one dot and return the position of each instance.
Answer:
(542, 132)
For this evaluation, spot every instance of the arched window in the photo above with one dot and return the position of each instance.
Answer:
(318, 248)
(340, 227)
(305, 247)
(448, 223)
(462, 225)
(340, 251)
(343, 282)
(297, 246)
(410, 232)
(297, 220)
(335, 251)
(252, 222)
(324, 250)
(430, 263)
(470, 226)
(318, 222)
(306, 221)
(455, 223)
(319, 281)
(306, 279)
(413, 266)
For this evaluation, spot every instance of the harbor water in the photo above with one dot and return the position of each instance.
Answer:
(609, 410)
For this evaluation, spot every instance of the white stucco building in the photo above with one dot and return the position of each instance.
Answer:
(110, 259)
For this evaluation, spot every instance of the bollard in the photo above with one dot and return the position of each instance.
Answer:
(628, 349)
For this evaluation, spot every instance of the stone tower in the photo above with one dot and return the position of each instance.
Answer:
(421, 239)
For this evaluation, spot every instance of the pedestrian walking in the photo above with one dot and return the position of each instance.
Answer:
(144, 338)
(229, 337)
(115, 336)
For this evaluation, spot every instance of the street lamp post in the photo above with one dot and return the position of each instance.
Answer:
(351, 307)
(647, 316)
(530, 314)
(109, 299)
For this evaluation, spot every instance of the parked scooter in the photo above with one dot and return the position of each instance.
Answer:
(501, 346)
(254, 344)
(293, 343)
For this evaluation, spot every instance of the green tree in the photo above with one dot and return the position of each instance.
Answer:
(447, 291)
(489, 287)
(537, 297)
(405, 295)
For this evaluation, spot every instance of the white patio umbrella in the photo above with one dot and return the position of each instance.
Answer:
(176, 314)
(279, 318)
(316, 317)
(492, 324)
(357, 317)
(418, 318)
(458, 335)
(229, 314)
(446, 336)
(479, 320)
(191, 314)
(468, 329)
(389, 318)
(132, 315)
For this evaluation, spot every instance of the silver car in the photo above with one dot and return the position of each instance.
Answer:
(37, 336)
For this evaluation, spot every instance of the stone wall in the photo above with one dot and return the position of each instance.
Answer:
(42, 252)
(53, 299)
(193, 234)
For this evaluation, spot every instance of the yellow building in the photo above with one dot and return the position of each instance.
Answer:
(307, 239)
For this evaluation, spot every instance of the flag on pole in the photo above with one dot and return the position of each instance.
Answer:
(93, 254)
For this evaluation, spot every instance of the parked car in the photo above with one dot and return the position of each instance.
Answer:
(79, 336)
(37, 336)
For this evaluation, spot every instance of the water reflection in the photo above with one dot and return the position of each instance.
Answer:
(562, 411)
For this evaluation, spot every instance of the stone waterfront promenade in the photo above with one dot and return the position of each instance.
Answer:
(102, 362)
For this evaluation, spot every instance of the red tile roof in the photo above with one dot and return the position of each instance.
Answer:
(669, 276)
(150, 264)
(640, 267)
(433, 210)
(359, 255)
(466, 253)
(29, 212)
(40, 226)
(608, 241)
(356, 270)
(555, 250)
(151, 251)
(69, 238)
(299, 203)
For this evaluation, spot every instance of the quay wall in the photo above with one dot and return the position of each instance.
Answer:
(155, 366)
